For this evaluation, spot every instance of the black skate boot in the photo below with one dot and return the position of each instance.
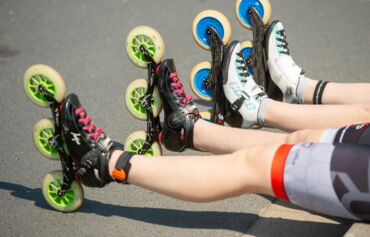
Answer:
(88, 146)
(180, 111)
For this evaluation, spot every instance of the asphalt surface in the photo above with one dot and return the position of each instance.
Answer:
(84, 41)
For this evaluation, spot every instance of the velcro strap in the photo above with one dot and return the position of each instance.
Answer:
(237, 104)
(122, 168)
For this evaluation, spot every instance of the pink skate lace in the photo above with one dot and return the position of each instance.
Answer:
(179, 89)
(92, 131)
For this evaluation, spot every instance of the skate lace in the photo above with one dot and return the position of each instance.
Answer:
(244, 72)
(179, 90)
(88, 125)
(284, 43)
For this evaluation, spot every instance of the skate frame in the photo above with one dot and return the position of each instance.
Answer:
(68, 167)
(258, 59)
(153, 124)
(214, 80)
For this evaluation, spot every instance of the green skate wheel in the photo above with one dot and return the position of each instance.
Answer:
(135, 141)
(263, 8)
(42, 133)
(210, 18)
(150, 38)
(70, 202)
(205, 116)
(47, 76)
(246, 49)
(197, 76)
(137, 89)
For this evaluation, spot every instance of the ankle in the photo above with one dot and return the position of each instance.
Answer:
(308, 93)
(262, 111)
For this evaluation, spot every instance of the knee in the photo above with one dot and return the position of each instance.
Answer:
(297, 136)
(247, 158)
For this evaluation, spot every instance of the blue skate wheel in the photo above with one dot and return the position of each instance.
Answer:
(197, 76)
(214, 19)
(246, 48)
(263, 8)
(206, 116)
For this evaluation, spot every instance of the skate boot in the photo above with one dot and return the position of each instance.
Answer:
(180, 112)
(286, 74)
(89, 146)
(248, 101)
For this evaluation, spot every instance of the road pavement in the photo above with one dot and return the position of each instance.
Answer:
(84, 41)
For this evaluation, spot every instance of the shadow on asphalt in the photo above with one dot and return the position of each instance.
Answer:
(234, 221)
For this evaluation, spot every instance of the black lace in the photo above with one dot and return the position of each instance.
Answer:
(284, 43)
(244, 68)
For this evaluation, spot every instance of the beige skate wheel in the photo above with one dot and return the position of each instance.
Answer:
(47, 76)
(263, 7)
(134, 91)
(205, 115)
(135, 141)
(70, 202)
(198, 74)
(41, 134)
(210, 18)
(148, 37)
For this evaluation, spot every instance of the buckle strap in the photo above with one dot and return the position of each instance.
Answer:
(122, 168)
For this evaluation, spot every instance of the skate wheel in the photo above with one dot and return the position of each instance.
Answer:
(150, 38)
(42, 133)
(135, 141)
(210, 18)
(134, 91)
(47, 76)
(205, 116)
(197, 76)
(70, 202)
(246, 48)
(263, 8)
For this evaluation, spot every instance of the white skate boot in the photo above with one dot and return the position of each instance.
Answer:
(245, 96)
(286, 74)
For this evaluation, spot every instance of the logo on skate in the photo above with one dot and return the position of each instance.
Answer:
(361, 126)
(76, 138)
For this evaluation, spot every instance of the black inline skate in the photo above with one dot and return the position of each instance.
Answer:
(69, 136)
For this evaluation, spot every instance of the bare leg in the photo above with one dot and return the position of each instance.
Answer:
(204, 178)
(340, 93)
(292, 117)
(222, 140)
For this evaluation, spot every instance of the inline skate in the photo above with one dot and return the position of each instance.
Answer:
(212, 31)
(69, 136)
(255, 15)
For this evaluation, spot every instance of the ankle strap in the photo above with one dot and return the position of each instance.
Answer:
(122, 168)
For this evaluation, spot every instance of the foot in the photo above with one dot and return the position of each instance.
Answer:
(180, 111)
(286, 74)
(89, 147)
(244, 95)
